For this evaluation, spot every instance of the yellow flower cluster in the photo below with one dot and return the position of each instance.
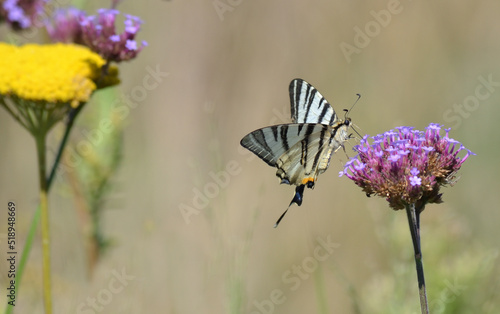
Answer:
(56, 73)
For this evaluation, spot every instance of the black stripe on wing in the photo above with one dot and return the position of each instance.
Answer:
(272, 142)
(308, 105)
(302, 161)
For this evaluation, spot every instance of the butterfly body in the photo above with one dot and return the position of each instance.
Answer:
(302, 149)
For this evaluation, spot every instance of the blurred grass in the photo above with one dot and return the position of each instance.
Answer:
(425, 60)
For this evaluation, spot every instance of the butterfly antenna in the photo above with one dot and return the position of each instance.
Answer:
(297, 199)
(355, 102)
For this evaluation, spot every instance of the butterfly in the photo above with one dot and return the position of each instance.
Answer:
(301, 150)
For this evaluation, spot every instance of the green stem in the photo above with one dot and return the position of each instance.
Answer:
(414, 223)
(36, 217)
(44, 211)
(69, 125)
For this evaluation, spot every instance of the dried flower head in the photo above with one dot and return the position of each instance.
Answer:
(406, 166)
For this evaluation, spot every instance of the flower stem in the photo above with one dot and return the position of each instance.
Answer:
(44, 211)
(69, 125)
(36, 218)
(414, 223)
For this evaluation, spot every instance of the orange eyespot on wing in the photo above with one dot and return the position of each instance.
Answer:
(309, 182)
(306, 180)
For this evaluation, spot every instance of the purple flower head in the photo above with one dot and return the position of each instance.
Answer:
(21, 14)
(65, 25)
(407, 166)
(98, 32)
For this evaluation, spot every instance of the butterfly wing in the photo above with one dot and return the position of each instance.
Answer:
(308, 158)
(271, 142)
(308, 105)
(299, 151)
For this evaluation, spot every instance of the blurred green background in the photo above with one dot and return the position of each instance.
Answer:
(229, 63)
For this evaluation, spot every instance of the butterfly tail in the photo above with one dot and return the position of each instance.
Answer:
(297, 199)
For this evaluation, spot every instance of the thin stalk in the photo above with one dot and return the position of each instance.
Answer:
(44, 212)
(69, 125)
(414, 223)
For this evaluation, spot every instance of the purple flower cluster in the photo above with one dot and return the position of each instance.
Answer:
(21, 14)
(98, 32)
(406, 166)
(65, 26)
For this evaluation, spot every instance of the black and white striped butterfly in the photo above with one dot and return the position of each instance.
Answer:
(302, 149)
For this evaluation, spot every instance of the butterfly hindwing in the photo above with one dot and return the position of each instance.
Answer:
(305, 160)
(271, 143)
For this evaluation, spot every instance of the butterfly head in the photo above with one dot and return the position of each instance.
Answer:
(347, 120)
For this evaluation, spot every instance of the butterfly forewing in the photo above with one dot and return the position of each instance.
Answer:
(308, 105)
(273, 142)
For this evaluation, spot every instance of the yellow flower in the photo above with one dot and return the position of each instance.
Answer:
(39, 84)
(56, 73)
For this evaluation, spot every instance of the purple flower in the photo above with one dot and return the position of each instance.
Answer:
(414, 171)
(406, 166)
(64, 26)
(98, 32)
(415, 181)
(21, 14)
(360, 166)
(114, 38)
(100, 35)
(131, 45)
(394, 158)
